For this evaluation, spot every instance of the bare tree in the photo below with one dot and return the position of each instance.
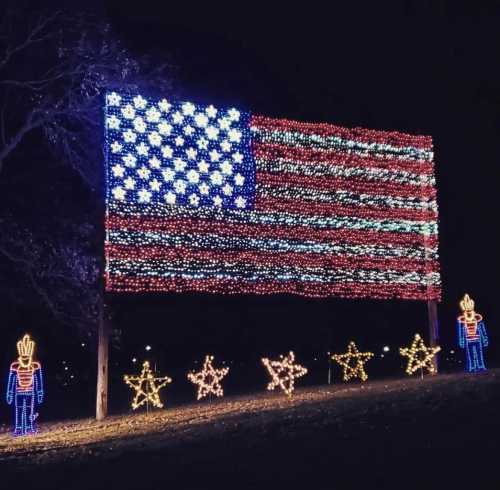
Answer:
(54, 70)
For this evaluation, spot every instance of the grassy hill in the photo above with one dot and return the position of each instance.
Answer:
(440, 432)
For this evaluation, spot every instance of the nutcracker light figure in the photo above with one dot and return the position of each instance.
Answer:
(25, 387)
(472, 335)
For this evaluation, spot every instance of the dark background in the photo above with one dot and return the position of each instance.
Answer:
(417, 67)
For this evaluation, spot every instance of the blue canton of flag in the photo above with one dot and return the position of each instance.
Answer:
(178, 153)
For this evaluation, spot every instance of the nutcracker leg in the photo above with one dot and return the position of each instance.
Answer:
(18, 429)
(469, 357)
(30, 415)
(478, 351)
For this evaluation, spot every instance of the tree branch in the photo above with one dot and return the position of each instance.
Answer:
(30, 39)
(31, 123)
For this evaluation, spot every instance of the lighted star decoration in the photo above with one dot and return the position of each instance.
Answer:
(284, 372)
(146, 387)
(419, 356)
(208, 379)
(353, 362)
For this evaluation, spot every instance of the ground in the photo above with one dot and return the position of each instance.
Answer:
(439, 432)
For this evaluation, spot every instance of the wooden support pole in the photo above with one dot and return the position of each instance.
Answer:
(433, 328)
(102, 366)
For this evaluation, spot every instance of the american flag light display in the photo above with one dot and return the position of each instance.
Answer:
(222, 201)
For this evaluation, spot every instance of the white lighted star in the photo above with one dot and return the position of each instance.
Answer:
(128, 112)
(116, 147)
(153, 115)
(129, 136)
(129, 183)
(211, 111)
(144, 195)
(140, 102)
(167, 151)
(170, 197)
(119, 193)
(114, 99)
(233, 114)
(240, 202)
(142, 149)
(118, 170)
(139, 125)
(283, 372)
(113, 122)
(154, 139)
(212, 132)
(239, 179)
(208, 379)
(129, 160)
(188, 109)
(164, 128)
(164, 105)
(177, 117)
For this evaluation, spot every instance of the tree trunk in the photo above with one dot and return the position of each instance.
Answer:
(433, 329)
(102, 367)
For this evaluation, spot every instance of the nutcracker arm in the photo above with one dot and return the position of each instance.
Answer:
(483, 334)
(39, 384)
(460, 334)
(11, 385)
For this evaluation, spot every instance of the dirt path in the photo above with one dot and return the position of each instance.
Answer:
(344, 434)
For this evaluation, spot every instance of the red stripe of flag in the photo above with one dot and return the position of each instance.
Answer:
(316, 208)
(311, 289)
(260, 258)
(393, 138)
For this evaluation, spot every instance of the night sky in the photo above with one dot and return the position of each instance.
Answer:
(420, 68)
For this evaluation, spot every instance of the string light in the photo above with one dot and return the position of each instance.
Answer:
(283, 372)
(215, 200)
(356, 370)
(419, 356)
(146, 387)
(472, 336)
(208, 379)
(25, 387)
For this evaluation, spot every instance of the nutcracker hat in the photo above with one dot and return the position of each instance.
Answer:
(26, 346)
(467, 303)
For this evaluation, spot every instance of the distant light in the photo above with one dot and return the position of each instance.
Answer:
(64, 362)
(452, 351)
(66, 368)
(134, 359)
(381, 355)
(72, 376)
(315, 358)
(386, 348)
(83, 344)
(148, 347)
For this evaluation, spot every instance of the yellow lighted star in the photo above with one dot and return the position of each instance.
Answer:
(357, 370)
(283, 372)
(208, 379)
(419, 356)
(146, 387)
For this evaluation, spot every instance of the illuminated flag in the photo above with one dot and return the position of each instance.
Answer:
(222, 201)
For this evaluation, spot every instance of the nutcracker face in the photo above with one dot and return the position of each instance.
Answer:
(467, 306)
(25, 348)
(25, 361)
